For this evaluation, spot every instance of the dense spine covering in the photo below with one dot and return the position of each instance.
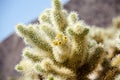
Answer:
(62, 47)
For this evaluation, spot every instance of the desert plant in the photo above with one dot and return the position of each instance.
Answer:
(62, 47)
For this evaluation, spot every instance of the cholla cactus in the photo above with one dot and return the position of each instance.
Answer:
(62, 47)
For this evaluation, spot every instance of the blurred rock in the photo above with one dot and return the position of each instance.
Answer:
(94, 12)
(10, 55)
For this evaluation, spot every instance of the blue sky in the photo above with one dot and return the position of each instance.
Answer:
(19, 11)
